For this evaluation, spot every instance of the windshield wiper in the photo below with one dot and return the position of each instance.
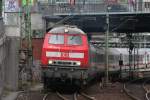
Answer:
(72, 37)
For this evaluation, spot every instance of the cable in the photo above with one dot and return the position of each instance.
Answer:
(63, 20)
(119, 25)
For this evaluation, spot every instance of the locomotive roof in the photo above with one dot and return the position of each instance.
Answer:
(67, 29)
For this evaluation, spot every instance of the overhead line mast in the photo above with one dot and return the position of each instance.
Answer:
(106, 45)
(26, 33)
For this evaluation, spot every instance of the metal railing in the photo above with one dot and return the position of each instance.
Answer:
(91, 8)
(122, 45)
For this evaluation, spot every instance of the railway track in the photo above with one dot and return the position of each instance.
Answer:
(137, 89)
(74, 96)
(95, 92)
(22, 96)
(57, 96)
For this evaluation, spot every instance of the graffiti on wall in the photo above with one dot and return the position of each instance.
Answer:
(11, 6)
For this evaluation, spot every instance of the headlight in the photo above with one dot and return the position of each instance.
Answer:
(53, 54)
(50, 62)
(76, 55)
(78, 63)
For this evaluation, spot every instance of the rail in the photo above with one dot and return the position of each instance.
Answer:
(87, 96)
(127, 91)
(147, 90)
(75, 96)
(143, 87)
(61, 96)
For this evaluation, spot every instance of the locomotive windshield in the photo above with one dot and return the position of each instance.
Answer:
(74, 40)
(59, 39)
(56, 39)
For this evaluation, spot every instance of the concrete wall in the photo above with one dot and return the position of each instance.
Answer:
(12, 31)
(36, 21)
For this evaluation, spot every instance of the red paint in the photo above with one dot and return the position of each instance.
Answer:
(37, 48)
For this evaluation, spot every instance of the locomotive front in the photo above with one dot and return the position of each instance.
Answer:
(65, 56)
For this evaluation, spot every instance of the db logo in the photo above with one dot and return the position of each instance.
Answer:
(64, 54)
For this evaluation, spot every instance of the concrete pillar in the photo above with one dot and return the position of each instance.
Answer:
(1, 80)
(12, 65)
(3, 61)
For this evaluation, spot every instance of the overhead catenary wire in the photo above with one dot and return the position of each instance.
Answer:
(67, 17)
(61, 21)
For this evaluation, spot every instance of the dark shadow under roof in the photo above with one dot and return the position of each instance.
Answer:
(123, 22)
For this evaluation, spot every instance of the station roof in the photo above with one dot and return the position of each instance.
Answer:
(125, 51)
(120, 22)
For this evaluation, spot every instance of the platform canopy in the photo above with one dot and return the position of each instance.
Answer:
(120, 22)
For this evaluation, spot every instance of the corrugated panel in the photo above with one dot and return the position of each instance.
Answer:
(37, 47)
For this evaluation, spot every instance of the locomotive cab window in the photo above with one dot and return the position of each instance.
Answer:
(56, 39)
(74, 40)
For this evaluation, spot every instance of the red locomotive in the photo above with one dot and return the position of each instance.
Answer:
(66, 56)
